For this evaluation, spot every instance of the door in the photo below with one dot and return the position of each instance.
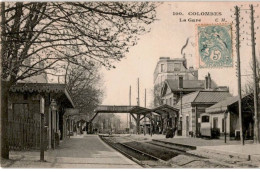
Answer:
(215, 123)
(187, 125)
(23, 131)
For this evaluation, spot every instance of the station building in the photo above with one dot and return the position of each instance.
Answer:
(224, 117)
(26, 101)
(192, 105)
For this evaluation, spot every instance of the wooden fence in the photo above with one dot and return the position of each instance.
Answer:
(24, 134)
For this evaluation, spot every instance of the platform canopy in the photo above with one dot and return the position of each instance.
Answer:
(59, 91)
(140, 110)
(165, 109)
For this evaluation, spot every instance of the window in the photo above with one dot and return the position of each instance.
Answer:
(170, 67)
(205, 119)
(180, 82)
(162, 67)
(177, 66)
(173, 102)
(27, 61)
(223, 125)
(41, 63)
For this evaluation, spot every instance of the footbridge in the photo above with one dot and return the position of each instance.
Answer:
(137, 112)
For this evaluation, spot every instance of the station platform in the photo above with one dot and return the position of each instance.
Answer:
(84, 151)
(249, 152)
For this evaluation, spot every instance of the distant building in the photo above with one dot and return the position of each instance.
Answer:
(173, 69)
(40, 77)
(173, 89)
(167, 68)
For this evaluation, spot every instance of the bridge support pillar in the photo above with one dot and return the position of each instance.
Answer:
(90, 128)
(138, 116)
(151, 124)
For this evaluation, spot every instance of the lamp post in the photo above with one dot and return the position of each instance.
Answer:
(42, 104)
(53, 106)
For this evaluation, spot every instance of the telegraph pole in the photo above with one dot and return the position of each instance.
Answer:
(239, 74)
(255, 78)
(129, 105)
(127, 123)
(138, 99)
(144, 97)
(144, 116)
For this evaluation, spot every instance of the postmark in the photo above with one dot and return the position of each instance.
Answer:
(214, 46)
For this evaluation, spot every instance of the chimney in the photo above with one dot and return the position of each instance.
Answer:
(191, 68)
(164, 58)
(209, 81)
(206, 82)
(180, 82)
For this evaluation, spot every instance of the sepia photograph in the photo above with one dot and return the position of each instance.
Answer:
(130, 84)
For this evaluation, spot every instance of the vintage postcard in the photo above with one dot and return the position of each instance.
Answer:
(130, 84)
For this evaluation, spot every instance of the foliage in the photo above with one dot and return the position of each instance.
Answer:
(249, 87)
(43, 37)
(106, 122)
(39, 37)
(85, 87)
(157, 96)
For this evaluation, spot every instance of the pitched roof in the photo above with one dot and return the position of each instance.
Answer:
(43, 88)
(188, 85)
(164, 108)
(188, 98)
(204, 97)
(38, 87)
(223, 105)
(211, 96)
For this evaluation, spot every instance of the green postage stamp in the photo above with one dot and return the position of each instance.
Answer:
(214, 46)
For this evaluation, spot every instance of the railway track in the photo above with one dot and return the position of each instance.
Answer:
(152, 154)
(142, 158)
(172, 148)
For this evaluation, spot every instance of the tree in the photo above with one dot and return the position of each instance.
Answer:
(38, 37)
(157, 96)
(85, 87)
(249, 90)
(105, 123)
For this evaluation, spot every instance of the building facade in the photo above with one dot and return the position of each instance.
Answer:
(172, 69)
(224, 117)
(173, 89)
(26, 103)
(167, 68)
(192, 105)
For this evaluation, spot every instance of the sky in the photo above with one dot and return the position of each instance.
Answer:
(166, 39)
